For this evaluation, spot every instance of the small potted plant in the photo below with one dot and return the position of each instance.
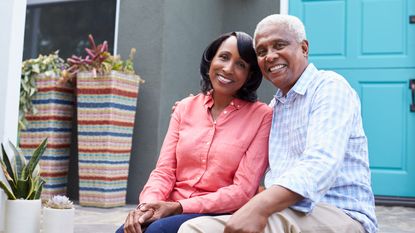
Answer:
(107, 89)
(46, 109)
(23, 189)
(58, 215)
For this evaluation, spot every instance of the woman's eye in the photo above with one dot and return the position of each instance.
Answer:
(223, 57)
(241, 65)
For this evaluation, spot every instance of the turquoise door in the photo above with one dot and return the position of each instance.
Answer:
(372, 43)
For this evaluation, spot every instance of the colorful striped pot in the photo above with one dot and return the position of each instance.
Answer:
(106, 108)
(54, 103)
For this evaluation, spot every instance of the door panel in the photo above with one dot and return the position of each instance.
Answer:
(389, 126)
(358, 33)
(372, 44)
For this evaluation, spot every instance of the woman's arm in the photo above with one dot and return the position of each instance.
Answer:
(162, 179)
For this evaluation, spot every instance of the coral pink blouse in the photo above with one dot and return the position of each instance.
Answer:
(208, 166)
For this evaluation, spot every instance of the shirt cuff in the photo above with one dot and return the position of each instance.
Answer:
(307, 204)
(189, 206)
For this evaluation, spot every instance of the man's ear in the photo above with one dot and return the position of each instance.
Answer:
(304, 47)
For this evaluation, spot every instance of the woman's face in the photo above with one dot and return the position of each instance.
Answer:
(227, 71)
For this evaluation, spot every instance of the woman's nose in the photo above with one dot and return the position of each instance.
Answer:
(228, 67)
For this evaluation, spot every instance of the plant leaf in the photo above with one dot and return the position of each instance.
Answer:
(38, 188)
(6, 162)
(34, 160)
(36, 68)
(23, 188)
(8, 192)
(19, 160)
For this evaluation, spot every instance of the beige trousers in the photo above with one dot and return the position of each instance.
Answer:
(324, 219)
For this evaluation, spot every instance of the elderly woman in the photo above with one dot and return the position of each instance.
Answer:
(215, 150)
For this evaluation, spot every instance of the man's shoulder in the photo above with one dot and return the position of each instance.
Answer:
(333, 80)
(261, 107)
(329, 76)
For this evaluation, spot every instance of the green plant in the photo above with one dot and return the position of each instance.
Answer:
(99, 61)
(23, 177)
(50, 65)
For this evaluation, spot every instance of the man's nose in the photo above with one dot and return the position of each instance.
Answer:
(271, 56)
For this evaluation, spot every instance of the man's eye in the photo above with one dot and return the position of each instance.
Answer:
(280, 45)
(260, 53)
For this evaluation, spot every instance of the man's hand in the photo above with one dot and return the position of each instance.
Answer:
(176, 103)
(253, 216)
(248, 219)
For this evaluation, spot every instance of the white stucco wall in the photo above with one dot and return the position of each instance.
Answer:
(12, 20)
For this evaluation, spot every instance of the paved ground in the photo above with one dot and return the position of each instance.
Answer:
(97, 220)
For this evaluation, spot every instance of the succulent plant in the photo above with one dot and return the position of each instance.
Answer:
(23, 177)
(59, 202)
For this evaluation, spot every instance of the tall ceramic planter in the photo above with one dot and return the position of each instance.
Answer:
(106, 108)
(58, 220)
(54, 103)
(23, 216)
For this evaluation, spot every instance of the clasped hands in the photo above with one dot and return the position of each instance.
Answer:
(145, 213)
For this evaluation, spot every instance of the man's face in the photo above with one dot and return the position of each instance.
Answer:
(281, 58)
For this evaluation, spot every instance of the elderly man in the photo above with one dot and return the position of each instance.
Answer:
(319, 177)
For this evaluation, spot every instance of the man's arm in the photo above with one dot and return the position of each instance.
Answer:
(253, 216)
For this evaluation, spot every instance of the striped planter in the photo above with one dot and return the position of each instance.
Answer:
(106, 113)
(54, 103)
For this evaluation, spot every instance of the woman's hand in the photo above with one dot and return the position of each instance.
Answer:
(135, 219)
(159, 210)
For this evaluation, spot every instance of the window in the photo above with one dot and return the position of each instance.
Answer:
(65, 25)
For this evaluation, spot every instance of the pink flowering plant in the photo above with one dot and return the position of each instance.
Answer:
(98, 61)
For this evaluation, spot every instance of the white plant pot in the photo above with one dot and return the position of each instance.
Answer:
(58, 220)
(2, 209)
(23, 216)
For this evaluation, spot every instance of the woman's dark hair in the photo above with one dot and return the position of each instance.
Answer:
(247, 53)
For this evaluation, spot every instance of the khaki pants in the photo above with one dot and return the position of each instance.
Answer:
(324, 219)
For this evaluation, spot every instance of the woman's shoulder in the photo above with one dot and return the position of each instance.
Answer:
(188, 103)
(191, 99)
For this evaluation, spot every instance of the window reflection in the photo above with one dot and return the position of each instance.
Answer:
(66, 25)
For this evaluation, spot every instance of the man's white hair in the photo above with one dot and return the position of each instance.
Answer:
(293, 24)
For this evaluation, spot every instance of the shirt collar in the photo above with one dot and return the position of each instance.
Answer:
(300, 87)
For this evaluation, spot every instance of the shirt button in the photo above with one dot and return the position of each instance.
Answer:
(203, 160)
(232, 104)
(207, 143)
(225, 112)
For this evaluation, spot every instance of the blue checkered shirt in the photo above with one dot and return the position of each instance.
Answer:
(317, 146)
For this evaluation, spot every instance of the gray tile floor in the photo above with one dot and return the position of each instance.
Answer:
(97, 220)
